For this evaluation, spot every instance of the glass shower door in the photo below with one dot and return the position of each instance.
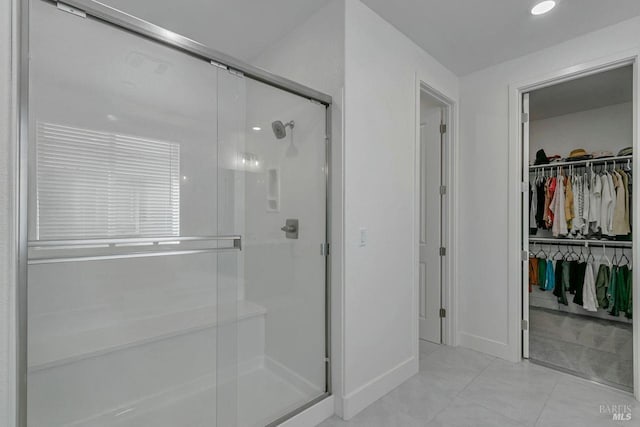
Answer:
(132, 277)
(282, 308)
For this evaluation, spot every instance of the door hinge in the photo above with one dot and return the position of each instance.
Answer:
(443, 251)
(443, 190)
(324, 249)
(524, 187)
(443, 128)
(524, 255)
(72, 10)
(525, 325)
(525, 117)
(219, 65)
(443, 313)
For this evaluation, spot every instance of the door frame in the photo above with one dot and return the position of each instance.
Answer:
(449, 213)
(517, 175)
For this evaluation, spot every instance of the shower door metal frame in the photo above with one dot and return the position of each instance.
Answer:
(111, 16)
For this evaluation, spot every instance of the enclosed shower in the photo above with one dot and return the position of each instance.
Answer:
(176, 263)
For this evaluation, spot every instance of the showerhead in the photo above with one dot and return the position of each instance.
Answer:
(280, 129)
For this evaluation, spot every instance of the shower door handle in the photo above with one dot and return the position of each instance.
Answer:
(291, 228)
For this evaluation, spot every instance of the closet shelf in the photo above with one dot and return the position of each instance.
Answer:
(582, 242)
(582, 162)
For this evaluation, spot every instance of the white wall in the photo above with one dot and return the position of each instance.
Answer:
(487, 306)
(7, 271)
(608, 128)
(380, 293)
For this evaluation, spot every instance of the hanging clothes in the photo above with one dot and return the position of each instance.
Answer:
(560, 290)
(611, 289)
(586, 198)
(595, 200)
(577, 276)
(542, 274)
(550, 188)
(540, 202)
(612, 205)
(549, 283)
(533, 273)
(559, 222)
(590, 302)
(620, 219)
(578, 290)
(533, 209)
(568, 203)
(625, 182)
(602, 281)
(606, 200)
(629, 285)
(578, 205)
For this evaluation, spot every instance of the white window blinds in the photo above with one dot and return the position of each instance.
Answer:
(96, 184)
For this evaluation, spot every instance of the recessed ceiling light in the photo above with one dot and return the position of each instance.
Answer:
(543, 7)
(256, 128)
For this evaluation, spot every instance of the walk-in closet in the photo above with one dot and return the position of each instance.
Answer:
(577, 289)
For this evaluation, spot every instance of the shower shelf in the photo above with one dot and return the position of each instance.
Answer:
(53, 351)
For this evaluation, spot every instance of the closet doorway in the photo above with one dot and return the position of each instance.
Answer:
(433, 155)
(578, 140)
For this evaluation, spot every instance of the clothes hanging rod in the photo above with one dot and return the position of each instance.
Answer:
(582, 242)
(599, 161)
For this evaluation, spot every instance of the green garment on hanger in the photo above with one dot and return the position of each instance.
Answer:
(602, 281)
(629, 285)
(612, 290)
(623, 288)
(542, 273)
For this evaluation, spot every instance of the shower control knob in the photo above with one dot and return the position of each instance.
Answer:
(291, 228)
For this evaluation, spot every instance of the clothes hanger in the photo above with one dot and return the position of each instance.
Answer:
(624, 257)
(614, 261)
(590, 256)
(558, 252)
(573, 254)
(581, 257)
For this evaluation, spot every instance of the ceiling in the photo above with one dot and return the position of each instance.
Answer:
(469, 35)
(586, 93)
(240, 28)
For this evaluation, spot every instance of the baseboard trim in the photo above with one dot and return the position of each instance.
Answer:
(365, 395)
(485, 345)
(312, 416)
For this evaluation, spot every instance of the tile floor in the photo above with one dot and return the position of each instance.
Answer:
(597, 348)
(460, 387)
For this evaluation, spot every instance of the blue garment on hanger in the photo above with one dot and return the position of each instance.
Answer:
(550, 281)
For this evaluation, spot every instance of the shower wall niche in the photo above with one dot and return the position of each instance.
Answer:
(162, 290)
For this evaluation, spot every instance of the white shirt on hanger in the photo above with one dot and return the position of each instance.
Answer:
(606, 199)
(595, 200)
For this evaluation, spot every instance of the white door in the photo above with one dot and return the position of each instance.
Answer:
(430, 224)
(525, 225)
